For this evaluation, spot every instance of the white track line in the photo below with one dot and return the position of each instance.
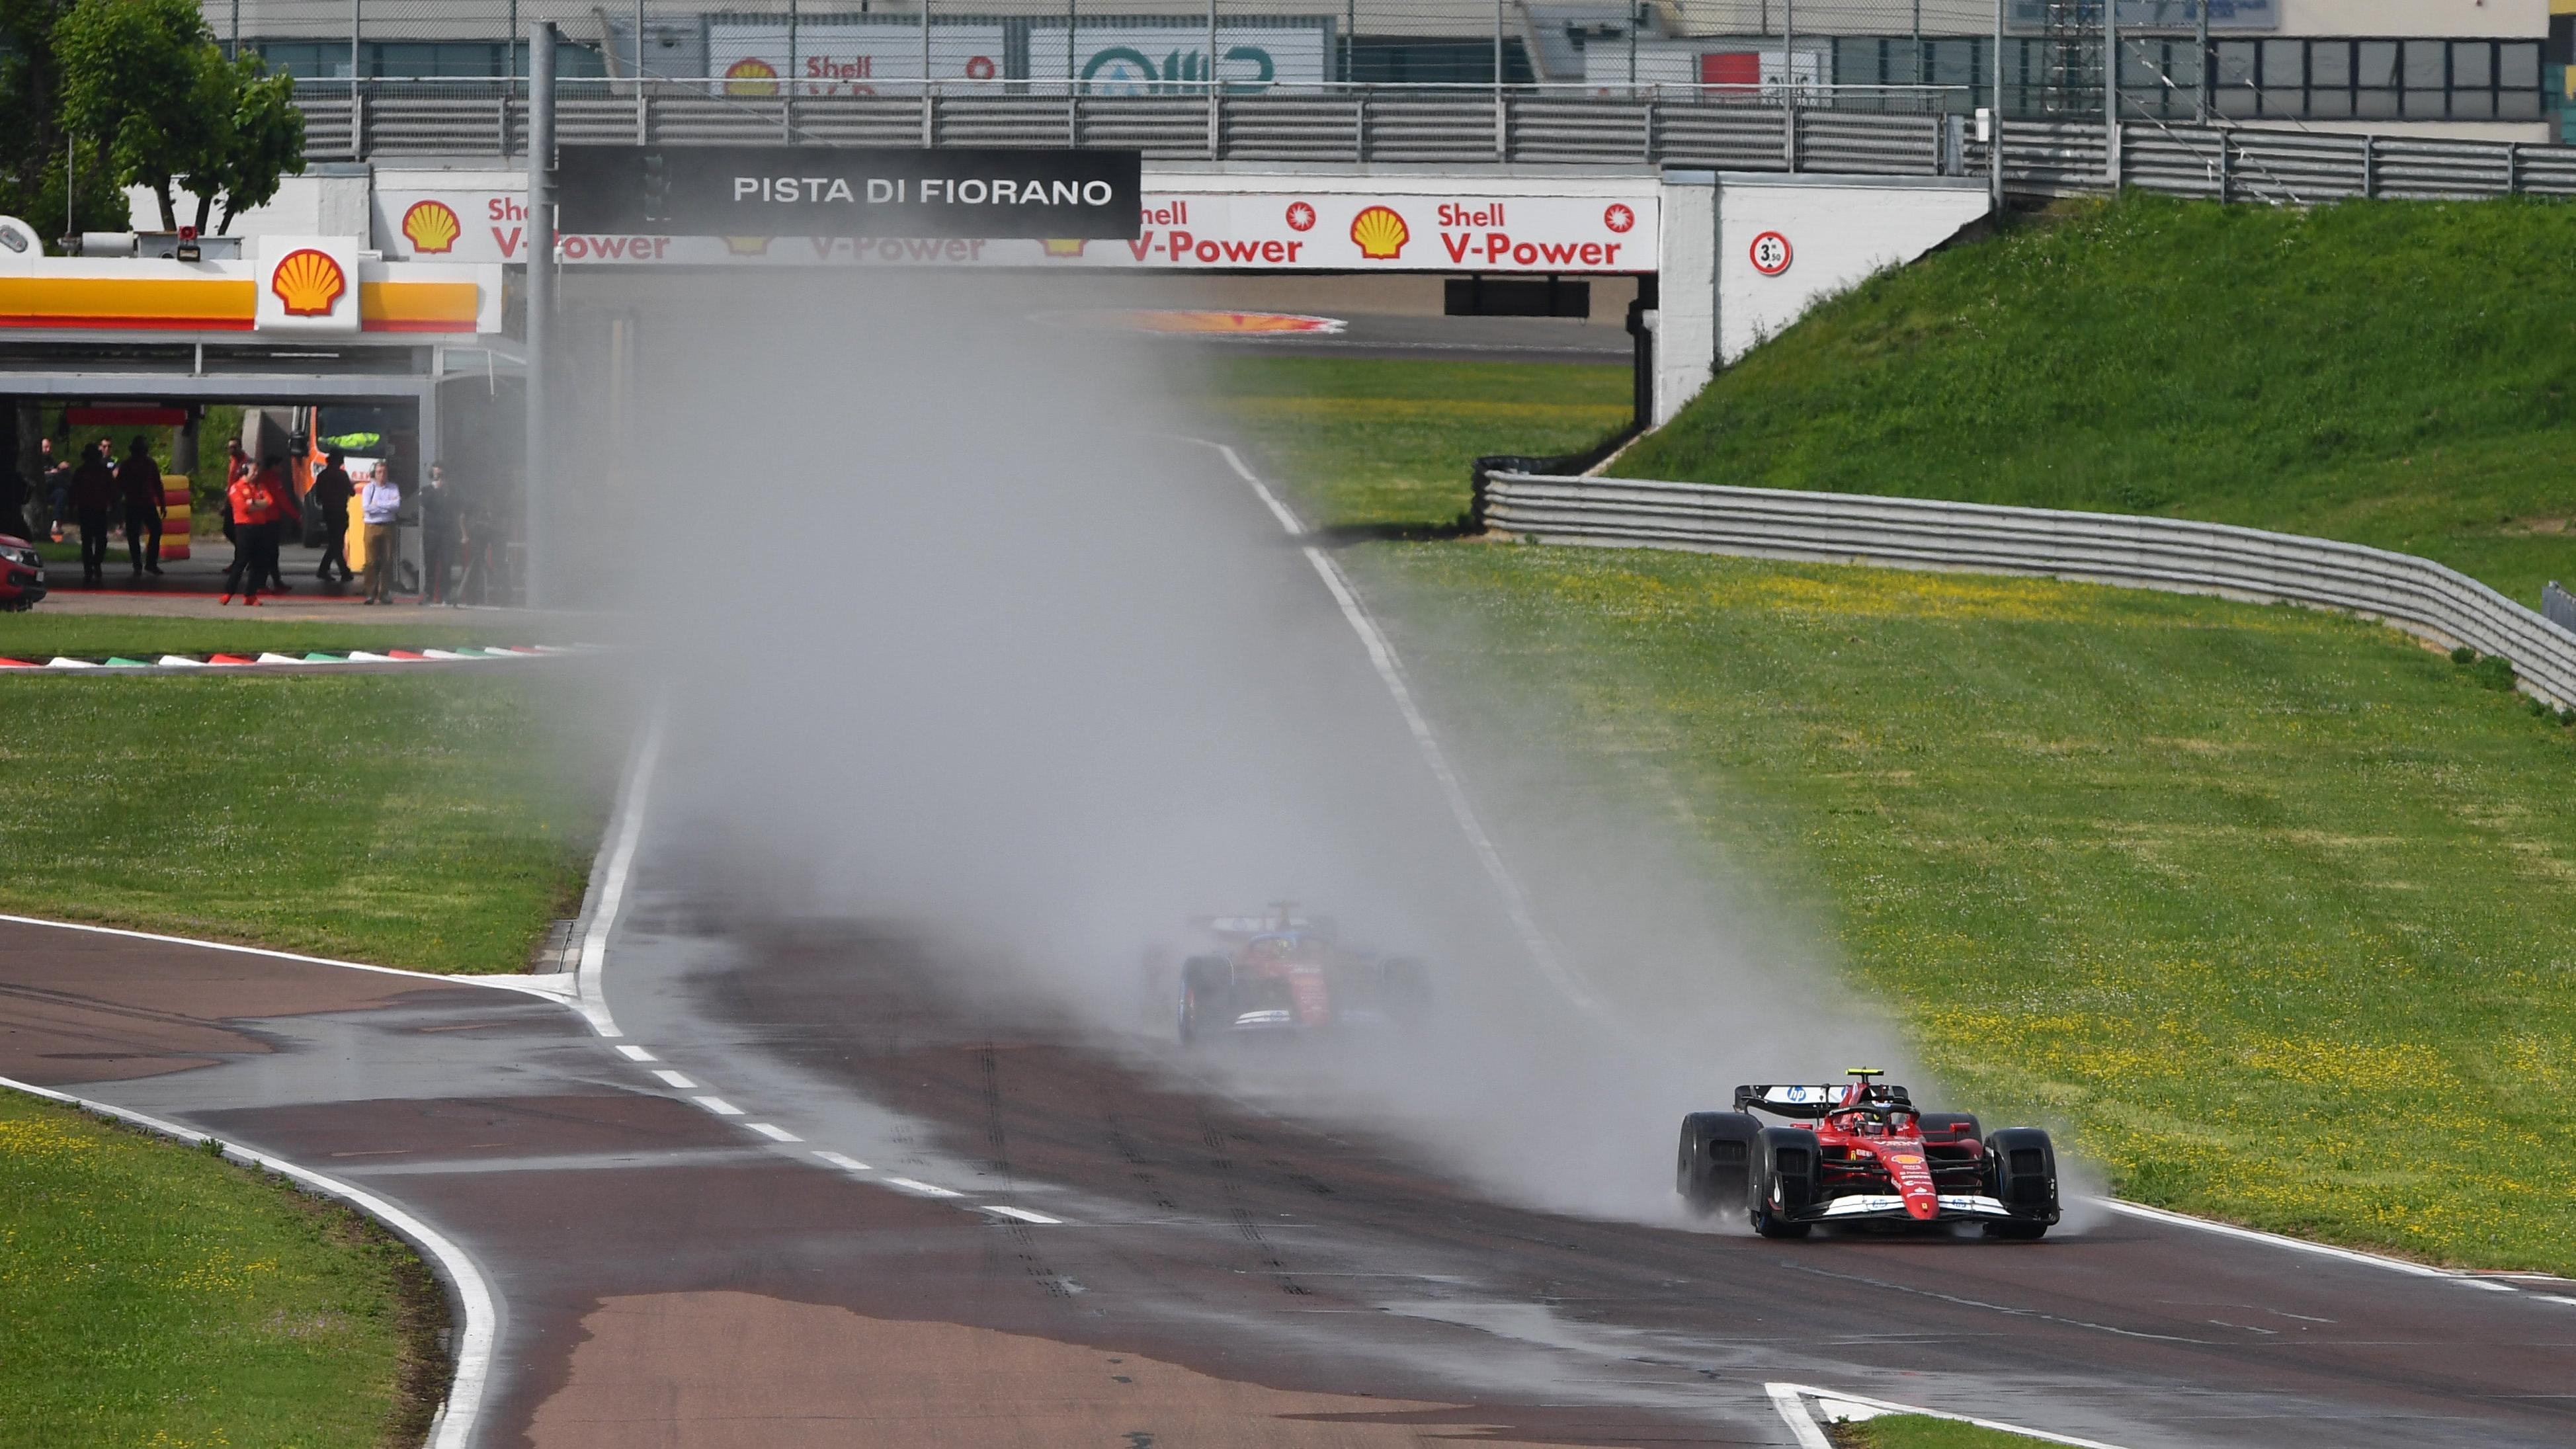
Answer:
(525, 985)
(1791, 1399)
(632, 795)
(1391, 672)
(1023, 1214)
(636, 1054)
(846, 1164)
(677, 1081)
(774, 1134)
(454, 1426)
(925, 1189)
(2300, 1245)
(718, 1105)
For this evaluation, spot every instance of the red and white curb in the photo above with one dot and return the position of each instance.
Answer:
(270, 660)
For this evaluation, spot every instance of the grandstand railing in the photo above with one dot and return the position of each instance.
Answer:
(1886, 130)
(2177, 555)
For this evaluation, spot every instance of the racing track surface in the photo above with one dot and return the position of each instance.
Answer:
(673, 1275)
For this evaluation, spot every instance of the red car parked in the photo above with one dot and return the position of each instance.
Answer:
(1861, 1152)
(22, 574)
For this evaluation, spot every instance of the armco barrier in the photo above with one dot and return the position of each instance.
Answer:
(2415, 594)
(2559, 606)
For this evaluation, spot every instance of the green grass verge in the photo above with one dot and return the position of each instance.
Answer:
(1388, 444)
(2399, 374)
(1922, 1431)
(426, 821)
(37, 635)
(2259, 905)
(153, 1295)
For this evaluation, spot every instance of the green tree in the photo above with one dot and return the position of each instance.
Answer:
(147, 78)
(40, 179)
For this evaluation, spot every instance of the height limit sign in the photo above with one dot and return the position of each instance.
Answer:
(1771, 254)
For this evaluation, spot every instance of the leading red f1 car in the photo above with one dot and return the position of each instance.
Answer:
(1861, 1152)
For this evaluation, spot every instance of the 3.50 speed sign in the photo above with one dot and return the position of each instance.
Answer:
(1771, 254)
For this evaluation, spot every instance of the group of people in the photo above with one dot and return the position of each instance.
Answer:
(97, 489)
(259, 504)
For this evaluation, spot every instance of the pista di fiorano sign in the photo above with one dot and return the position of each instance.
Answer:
(988, 192)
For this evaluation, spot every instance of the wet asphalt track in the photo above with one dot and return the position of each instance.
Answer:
(675, 1274)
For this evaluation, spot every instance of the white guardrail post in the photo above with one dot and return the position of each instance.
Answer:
(2178, 555)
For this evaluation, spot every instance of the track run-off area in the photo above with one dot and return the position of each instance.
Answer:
(800, 1185)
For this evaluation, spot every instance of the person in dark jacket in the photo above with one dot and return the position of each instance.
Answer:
(139, 479)
(94, 496)
(438, 534)
(13, 502)
(330, 495)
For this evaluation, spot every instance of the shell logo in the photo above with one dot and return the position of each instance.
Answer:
(751, 76)
(747, 246)
(309, 283)
(431, 227)
(1063, 246)
(1380, 234)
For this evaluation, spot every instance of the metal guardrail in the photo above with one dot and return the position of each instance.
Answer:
(2179, 555)
(2294, 167)
(2558, 606)
(1872, 134)
(1893, 130)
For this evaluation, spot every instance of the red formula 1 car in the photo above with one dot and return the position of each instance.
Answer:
(22, 574)
(1860, 1152)
(1286, 974)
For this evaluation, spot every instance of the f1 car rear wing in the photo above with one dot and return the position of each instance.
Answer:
(1808, 1102)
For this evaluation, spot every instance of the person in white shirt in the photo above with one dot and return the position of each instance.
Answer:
(378, 503)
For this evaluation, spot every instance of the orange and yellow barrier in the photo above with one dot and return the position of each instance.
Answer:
(174, 517)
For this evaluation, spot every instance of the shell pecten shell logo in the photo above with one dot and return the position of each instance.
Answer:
(308, 283)
(431, 227)
(751, 76)
(1380, 233)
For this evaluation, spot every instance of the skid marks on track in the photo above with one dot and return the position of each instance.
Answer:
(1125, 1147)
(1024, 1244)
(1222, 1159)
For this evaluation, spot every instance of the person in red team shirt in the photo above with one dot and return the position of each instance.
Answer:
(260, 510)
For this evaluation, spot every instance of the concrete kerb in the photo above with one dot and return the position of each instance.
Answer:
(470, 1301)
(1808, 1409)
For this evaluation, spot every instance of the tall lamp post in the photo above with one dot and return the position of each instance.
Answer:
(541, 301)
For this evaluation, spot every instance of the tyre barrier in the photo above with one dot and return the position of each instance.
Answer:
(2422, 597)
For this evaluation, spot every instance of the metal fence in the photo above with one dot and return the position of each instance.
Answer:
(2415, 594)
(2288, 167)
(2558, 606)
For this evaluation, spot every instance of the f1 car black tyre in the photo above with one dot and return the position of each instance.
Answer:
(1947, 1124)
(2024, 1167)
(1714, 1167)
(1207, 993)
(1785, 1180)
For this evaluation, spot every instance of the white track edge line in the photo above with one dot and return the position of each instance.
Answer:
(1022, 1214)
(632, 794)
(521, 985)
(2279, 1240)
(1390, 672)
(1793, 1411)
(453, 1428)
(1787, 1394)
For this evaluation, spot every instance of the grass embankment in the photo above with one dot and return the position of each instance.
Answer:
(2400, 374)
(2268, 908)
(151, 1295)
(431, 821)
(1922, 1431)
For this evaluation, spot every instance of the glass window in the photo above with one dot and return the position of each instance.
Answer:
(2236, 73)
(2330, 105)
(2518, 106)
(2518, 65)
(2374, 64)
(2329, 63)
(2374, 105)
(2285, 63)
(2424, 68)
(2472, 64)
(2478, 105)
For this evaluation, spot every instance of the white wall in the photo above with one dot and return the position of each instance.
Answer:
(1840, 229)
(2415, 17)
(1686, 306)
(329, 199)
